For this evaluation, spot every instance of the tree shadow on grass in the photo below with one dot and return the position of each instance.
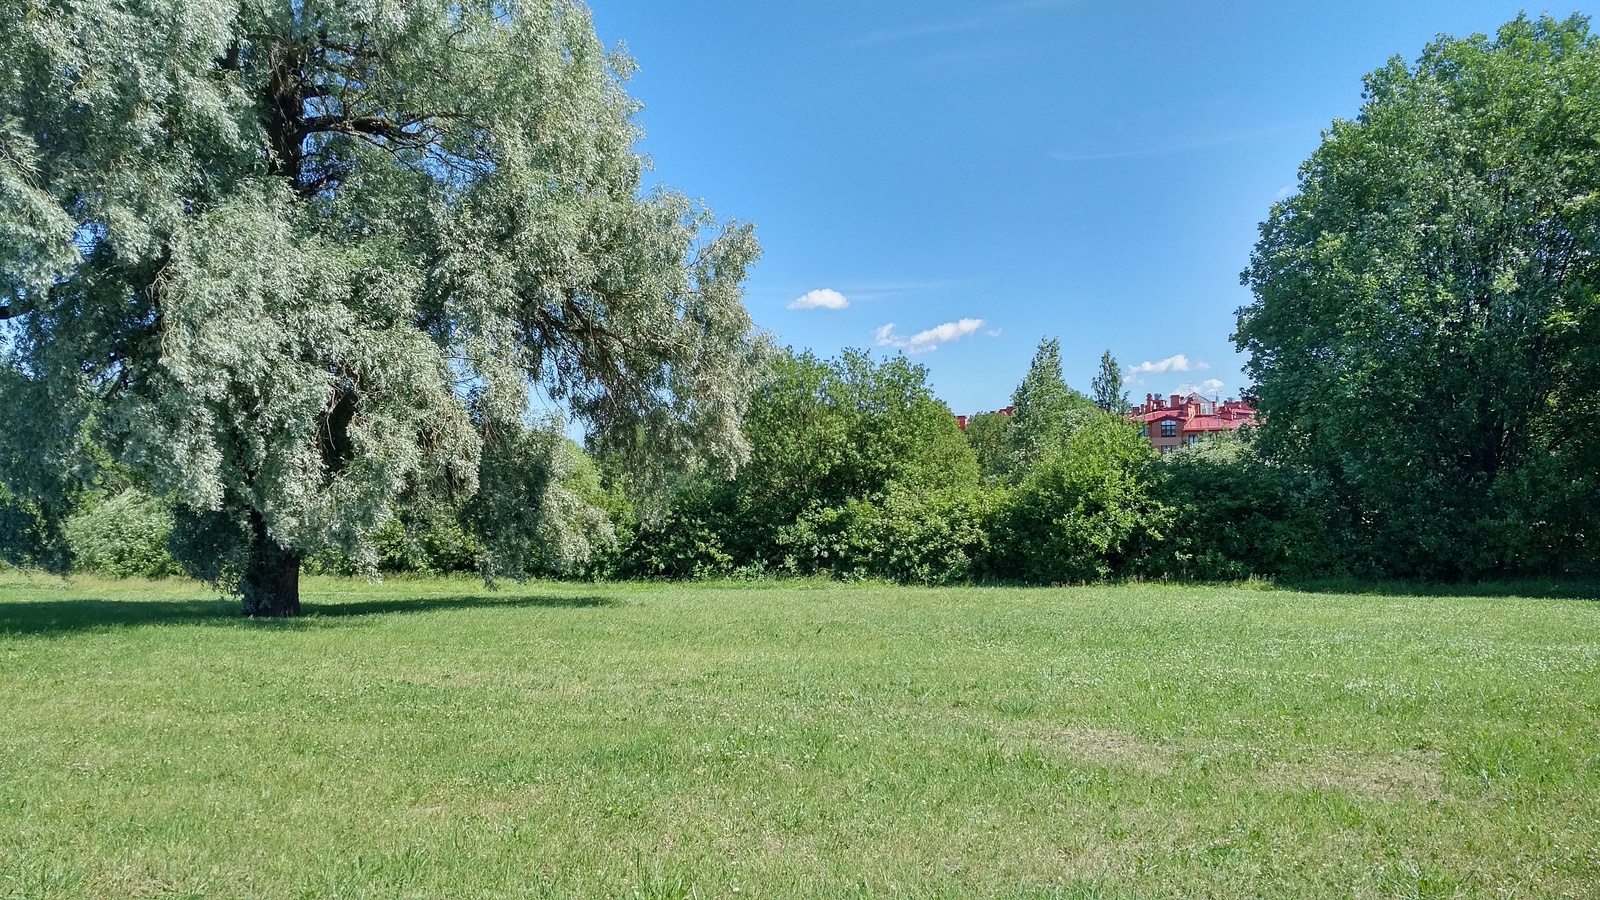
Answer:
(1535, 588)
(58, 617)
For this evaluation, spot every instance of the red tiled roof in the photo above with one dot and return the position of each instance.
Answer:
(1200, 424)
(1158, 415)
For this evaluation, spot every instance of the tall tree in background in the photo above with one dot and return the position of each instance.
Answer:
(1425, 326)
(292, 260)
(1107, 386)
(1046, 409)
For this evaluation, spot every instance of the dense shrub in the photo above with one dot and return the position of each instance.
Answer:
(429, 548)
(123, 535)
(910, 536)
(26, 539)
(1228, 516)
(690, 540)
(838, 448)
(824, 433)
(1081, 511)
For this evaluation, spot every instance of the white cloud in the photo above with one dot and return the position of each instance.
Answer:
(927, 341)
(1285, 191)
(821, 299)
(1207, 388)
(1179, 363)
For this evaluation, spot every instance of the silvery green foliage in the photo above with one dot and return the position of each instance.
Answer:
(296, 259)
(535, 511)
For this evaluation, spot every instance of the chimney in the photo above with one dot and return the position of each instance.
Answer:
(1177, 400)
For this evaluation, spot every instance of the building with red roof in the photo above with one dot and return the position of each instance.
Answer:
(1179, 420)
(961, 421)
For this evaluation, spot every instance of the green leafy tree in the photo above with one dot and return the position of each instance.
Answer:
(826, 431)
(292, 261)
(911, 537)
(823, 434)
(1047, 410)
(1107, 386)
(989, 436)
(1424, 326)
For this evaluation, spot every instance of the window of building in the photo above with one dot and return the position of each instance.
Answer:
(1169, 428)
(1144, 430)
(1194, 438)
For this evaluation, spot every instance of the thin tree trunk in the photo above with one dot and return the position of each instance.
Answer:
(271, 583)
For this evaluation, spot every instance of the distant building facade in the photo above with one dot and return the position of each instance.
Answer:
(1179, 420)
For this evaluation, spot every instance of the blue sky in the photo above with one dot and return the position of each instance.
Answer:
(972, 176)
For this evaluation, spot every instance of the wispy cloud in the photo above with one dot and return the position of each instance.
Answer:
(981, 20)
(1179, 363)
(927, 341)
(1221, 140)
(928, 29)
(826, 298)
(1207, 388)
(882, 290)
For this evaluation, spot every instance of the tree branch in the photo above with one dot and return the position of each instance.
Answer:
(357, 51)
(371, 126)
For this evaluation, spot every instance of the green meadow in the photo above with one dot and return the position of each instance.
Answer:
(432, 738)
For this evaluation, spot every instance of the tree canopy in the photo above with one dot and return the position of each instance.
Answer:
(1107, 386)
(1046, 410)
(1425, 325)
(292, 261)
(823, 434)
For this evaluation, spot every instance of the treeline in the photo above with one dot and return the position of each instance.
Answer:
(1424, 341)
(856, 471)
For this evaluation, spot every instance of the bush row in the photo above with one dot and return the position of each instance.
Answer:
(856, 472)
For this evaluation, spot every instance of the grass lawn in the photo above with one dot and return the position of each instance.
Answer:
(434, 739)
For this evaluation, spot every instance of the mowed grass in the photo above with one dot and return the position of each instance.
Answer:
(435, 739)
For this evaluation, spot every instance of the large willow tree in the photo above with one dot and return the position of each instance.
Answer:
(1425, 331)
(295, 261)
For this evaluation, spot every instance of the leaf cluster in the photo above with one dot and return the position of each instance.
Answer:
(1424, 327)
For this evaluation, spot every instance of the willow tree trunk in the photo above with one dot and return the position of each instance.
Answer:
(271, 582)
